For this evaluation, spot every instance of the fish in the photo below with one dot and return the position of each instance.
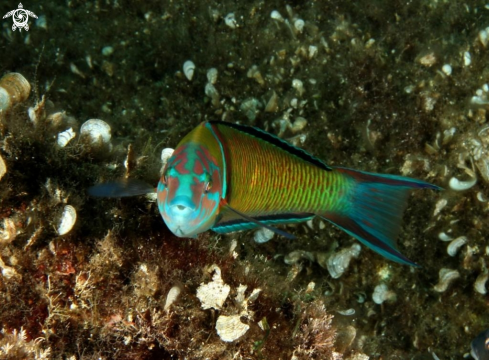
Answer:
(230, 177)
(480, 346)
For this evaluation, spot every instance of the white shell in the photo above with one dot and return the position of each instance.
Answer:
(263, 235)
(276, 16)
(3, 167)
(230, 21)
(296, 255)
(42, 22)
(14, 89)
(298, 125)
(172, 296)
(298, 85)
(446, 277)
(212, 75)
(443, 236)
(97, 131)
(467, 58)
(456, 244)
(68, 219)
(483, 37)
(457, 185)
(215, 293)
(166, 153)
(211, 91)
(382, 293)
(312, 51)
(65, 137)
(107, 50)
(480, 282)
(230, 328)
(347, 312)
(338, 262)
(299, 25)
(447, 69)
(189, 69)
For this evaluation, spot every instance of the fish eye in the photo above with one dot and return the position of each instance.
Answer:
(207, 186)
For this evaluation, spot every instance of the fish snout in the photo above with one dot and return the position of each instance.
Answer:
(182, 206)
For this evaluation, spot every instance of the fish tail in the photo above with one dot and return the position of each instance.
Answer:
(374, 208)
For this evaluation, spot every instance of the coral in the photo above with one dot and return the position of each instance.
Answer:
(316, 335)
(15, 345)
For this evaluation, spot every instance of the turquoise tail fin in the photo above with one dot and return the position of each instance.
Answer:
(374, 213)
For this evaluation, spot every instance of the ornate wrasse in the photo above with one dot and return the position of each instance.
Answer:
(229, 177)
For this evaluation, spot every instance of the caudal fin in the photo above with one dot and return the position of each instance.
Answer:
(375, 210)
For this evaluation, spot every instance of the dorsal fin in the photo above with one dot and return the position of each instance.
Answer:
(274, 140)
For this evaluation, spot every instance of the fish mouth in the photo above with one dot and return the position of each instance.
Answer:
(178, 232)
(182, 203)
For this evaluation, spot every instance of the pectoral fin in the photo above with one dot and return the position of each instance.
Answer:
(121, 188)
(258, 223)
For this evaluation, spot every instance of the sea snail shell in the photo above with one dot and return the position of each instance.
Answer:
(14, 89)
(96, 131)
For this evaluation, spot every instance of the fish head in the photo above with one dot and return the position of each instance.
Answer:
(190, 190)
